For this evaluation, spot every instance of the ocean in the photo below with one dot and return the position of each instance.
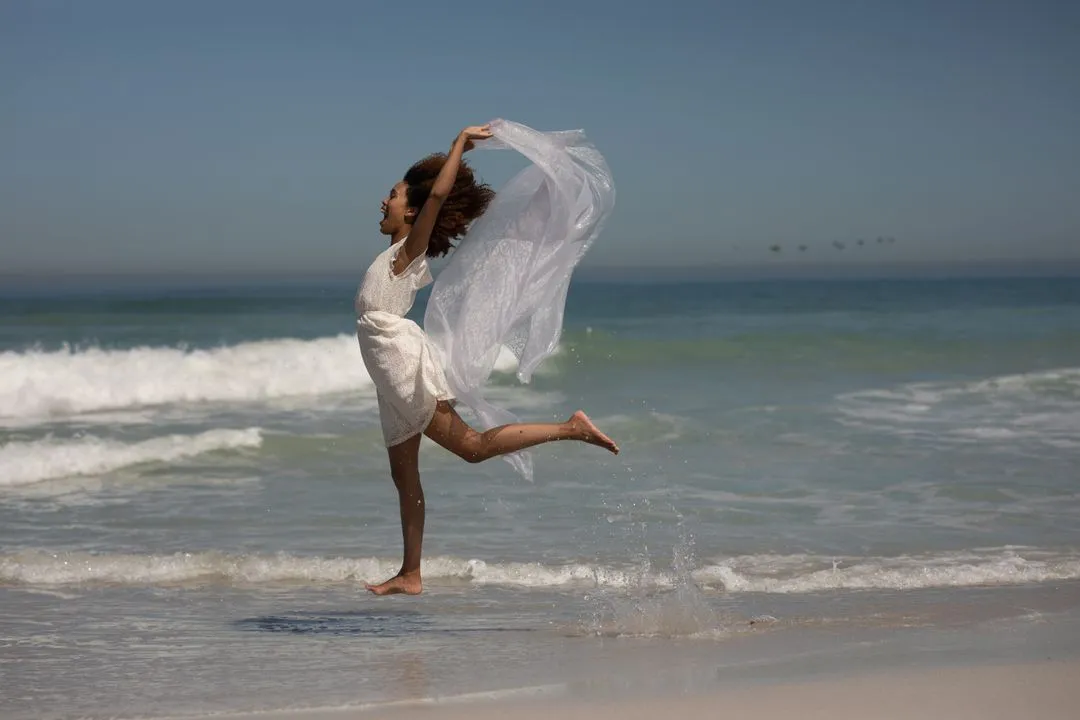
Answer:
(814, 475)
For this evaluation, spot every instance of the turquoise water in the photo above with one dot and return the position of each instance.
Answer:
(193, 488)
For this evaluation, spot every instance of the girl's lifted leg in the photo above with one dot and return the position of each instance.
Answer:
(451, 432)
(405, 469)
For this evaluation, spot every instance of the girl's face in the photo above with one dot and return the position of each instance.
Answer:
(394, 209)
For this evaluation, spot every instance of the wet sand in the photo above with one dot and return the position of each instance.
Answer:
(1038, 691)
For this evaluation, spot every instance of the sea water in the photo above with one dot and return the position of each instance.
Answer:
(193, 491)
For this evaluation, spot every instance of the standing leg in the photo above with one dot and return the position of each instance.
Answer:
(450, 431)
(405, 469)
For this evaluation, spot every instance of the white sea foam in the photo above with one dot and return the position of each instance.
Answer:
(38, 385)
(753, 573)
(805, 574)
(23, 463)
(1040, 407)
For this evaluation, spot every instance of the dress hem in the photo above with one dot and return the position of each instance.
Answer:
(400, 438)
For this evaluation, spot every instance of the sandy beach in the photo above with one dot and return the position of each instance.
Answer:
(1038, 691)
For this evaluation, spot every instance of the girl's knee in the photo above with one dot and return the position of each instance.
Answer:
(474, 453)
(476, 449)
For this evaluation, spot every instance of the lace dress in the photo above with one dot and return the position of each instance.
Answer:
(400, 359)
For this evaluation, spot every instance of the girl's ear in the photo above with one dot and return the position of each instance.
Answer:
(410, 216)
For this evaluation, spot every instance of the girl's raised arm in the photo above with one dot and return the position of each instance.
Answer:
(420, 233)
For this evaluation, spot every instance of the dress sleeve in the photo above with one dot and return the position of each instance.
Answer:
(417, 275)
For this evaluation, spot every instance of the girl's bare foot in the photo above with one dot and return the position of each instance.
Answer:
(590, 433)
(404, 582)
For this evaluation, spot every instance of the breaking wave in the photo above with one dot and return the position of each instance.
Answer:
(1037, 407)
(23, 463)
(744, 574)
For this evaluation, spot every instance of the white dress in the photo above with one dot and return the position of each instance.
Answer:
(402, 363)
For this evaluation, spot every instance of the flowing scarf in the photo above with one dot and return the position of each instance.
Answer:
(505, 285)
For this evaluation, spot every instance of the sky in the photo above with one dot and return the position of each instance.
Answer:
(257, 136)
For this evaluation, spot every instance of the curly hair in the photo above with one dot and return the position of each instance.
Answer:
(467, 200)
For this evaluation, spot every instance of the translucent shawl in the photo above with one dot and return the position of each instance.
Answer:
(505, 285)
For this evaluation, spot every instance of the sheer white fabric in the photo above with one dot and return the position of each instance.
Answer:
(506, 283)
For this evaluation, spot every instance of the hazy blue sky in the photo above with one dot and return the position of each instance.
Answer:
(261, 135)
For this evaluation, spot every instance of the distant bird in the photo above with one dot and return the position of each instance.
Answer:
(838, 245)
(775, 248)
(860, 241)
(890, 239)
(880, 239)
(802, 248)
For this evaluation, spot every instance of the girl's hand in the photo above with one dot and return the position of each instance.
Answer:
(474, 132)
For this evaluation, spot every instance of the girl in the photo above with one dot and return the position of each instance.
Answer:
(434, 203)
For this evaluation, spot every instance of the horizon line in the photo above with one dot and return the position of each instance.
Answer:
(1064, 268)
